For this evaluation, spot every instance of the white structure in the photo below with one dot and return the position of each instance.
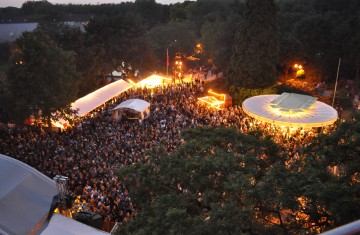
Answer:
(100, 96)
(61, 225)
(26, 200)
(291, 110)
(26, 196)
(137, 105)
(153, 81)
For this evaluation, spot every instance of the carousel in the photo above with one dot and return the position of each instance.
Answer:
(291, 110)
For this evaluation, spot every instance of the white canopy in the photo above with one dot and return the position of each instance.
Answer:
(61, 225)
(262, 108)
(135, 104)
(100, 96)
(153, 81)
(26, 196)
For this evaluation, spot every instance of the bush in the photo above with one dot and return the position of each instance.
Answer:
(240, 94)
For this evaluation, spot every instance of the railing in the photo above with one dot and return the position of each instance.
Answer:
(347, 229)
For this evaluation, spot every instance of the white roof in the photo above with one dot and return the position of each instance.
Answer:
(26, 196)
(293, 102)
(153, 81)
(61, 225)
(318, 114)
(100, 96)
(134, 104)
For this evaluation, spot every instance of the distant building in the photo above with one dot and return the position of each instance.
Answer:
(11, 31)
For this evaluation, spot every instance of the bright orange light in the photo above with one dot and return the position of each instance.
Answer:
(132, 82)
(296, 66)
(211, 101)
(221, 96)
(300, 67)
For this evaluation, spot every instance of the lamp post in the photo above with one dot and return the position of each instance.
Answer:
(178, 67)
(299, 70)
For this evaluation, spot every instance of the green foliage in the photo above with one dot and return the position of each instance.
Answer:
(240, 94)
(174, 36)
(218, 37)
(216, 182)
(338, 194)
(4, 53)
(41, 78)
(114, 40)
(255, 49)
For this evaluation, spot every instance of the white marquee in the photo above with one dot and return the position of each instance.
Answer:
(278, 110)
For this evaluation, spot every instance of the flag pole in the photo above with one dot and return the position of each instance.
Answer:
(337, 77)
(167, 61)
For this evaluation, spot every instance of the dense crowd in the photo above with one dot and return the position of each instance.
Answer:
(90, 152)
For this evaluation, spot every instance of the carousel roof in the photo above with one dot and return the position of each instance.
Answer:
(290, 109)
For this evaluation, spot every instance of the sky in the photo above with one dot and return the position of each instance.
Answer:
(18, 3)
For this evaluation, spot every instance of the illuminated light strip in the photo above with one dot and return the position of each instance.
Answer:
(132, 82)
(217, 94)
(216, 104)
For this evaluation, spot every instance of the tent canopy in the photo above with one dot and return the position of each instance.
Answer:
(307, 113)
(26, 196)
(134, 104)
(154, 81)
(60, 225)
(100, 96)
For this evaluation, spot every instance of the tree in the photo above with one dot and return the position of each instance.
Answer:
(41, 78)
(218, 38)
(174, 36)
(112, 41)
(219, 181)
(255, 51)
(330, 177)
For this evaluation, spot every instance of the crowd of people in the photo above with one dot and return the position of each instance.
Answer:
(90, 152)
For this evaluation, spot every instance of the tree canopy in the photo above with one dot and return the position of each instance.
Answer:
(41, 78)
(221, 181)
(255, 49)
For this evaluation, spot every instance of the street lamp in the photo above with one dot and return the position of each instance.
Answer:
(300, 72)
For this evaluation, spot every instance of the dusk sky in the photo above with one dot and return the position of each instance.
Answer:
(18, 3)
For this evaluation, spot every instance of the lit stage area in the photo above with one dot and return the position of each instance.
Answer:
(216, 100)
(152, 81)
(290, 110)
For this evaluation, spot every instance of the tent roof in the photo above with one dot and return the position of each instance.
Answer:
(61, 225)
(135, 104)
(100, 96)
(153, 81)
(318, 114)
(293, 102)
(26, 196)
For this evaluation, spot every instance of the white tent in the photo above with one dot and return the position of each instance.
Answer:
(26, 198)
(138, 105)
(93, 100)
(61, 225)
(100, 96)
(154, 81)
(291, 110)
